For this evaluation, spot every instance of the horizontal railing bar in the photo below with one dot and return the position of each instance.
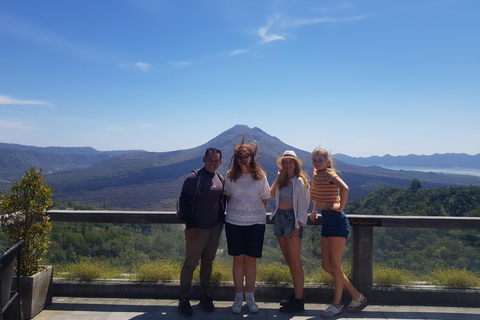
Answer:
(167, 217)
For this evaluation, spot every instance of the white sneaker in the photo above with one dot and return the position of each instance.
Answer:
(237, 306)
(252, 306)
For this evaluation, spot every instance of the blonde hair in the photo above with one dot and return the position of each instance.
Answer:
(328, 157)
(250, 148)
(283, 178)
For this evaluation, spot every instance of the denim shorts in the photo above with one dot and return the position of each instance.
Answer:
(247, 240)
(285, 223)
(335, 224)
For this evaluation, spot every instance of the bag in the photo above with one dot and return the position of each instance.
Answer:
(181, 214)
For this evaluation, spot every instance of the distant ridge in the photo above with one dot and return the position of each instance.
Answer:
(141, 180)
(16, 158)
(447, 160)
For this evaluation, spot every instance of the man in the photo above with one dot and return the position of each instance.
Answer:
(204, 222)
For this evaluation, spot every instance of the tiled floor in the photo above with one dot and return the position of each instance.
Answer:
(67, 308)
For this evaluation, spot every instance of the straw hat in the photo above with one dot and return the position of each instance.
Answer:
(289, 154)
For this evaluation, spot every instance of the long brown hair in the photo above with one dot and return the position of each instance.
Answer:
(283, 178)
(241, 149)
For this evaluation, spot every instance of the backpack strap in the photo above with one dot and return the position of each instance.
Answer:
(199, 184)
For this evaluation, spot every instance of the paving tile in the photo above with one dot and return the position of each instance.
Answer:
(68, 308)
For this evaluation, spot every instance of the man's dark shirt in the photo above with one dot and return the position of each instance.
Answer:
(207, 209)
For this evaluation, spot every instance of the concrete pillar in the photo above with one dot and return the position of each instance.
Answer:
(362, 258)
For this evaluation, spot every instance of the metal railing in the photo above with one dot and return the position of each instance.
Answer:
(361, 225)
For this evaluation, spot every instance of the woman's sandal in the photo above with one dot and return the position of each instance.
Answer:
(359, 305)
(331, 312)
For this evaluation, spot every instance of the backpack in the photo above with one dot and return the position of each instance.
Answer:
(181, 214)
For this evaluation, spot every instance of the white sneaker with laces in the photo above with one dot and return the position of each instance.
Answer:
(237, 306)
(252, 306)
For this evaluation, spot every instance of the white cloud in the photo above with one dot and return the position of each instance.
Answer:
(275, 27)
(237, 52)
(145, 67)
(301, 22)
(263, 32)
(9, 100)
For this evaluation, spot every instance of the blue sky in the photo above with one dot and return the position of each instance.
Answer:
(356, 77)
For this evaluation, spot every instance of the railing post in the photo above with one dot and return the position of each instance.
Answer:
(362, 258)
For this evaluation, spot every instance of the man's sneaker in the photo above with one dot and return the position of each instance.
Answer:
(237, 306)
(252, 306)
(293, 305)
(185, 308)
(285, 301)
(206, 303)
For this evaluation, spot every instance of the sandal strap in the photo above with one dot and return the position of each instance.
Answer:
(331, 308)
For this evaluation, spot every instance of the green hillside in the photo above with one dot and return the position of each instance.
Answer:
(446, 201)
(414, 249)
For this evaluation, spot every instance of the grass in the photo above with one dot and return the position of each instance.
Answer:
(454, 278)
(387, 276)
(275, 272)
(157, 270)
(319, 276)
(220, 273)
(90, 269)
(272, 273)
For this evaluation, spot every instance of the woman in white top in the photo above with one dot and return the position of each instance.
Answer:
(247, 193)
(292, 198)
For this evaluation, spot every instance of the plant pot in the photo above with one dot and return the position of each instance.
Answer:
(36, 292)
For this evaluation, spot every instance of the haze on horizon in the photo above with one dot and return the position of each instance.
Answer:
(359, 78)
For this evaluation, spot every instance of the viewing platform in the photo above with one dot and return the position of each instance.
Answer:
(68, 308)
(117, 299)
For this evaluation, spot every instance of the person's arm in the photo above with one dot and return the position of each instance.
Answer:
(295, 232)
(302, 208)
(264, 190)
(302, 202)
(273, 187)
(265, 202)
(186, 197)
(185, 205)
(314, 215)
(343, 194)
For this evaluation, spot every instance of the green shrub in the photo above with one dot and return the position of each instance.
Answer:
(158, 270)
(454, 278)
(91, 269)
(320, 276)
(274, 272)
(387, 276)
(220, 273)
(23, 214)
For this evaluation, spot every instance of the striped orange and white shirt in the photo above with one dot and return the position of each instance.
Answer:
(323, 187)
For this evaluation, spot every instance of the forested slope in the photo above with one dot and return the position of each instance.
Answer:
(414, 249)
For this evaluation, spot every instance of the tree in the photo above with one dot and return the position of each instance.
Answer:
(24, 217)
(415, 185)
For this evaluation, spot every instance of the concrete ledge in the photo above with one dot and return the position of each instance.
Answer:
(421, 295)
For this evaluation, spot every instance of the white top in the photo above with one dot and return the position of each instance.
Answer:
(246, 207)
(301, 201)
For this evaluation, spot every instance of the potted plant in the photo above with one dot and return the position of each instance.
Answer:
(23, 215)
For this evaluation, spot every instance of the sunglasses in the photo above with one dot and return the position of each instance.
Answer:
(242, 156)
